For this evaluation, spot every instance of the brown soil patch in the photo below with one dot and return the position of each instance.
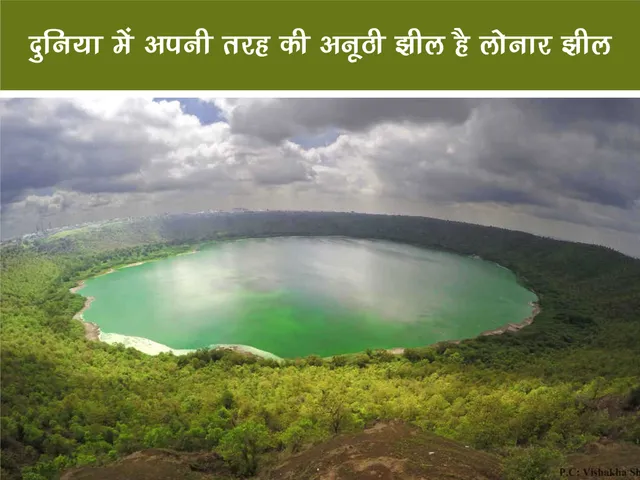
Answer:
(156, 464)
(91, 330)
(388, 451)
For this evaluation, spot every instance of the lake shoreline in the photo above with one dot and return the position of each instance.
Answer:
(81, 284)
(93, 333)
(92, 330)
(509, 327)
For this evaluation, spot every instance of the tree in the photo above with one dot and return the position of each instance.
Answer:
(242, 446)
(339, 361)
(294, 436)
(158, 437)
(227, 400)
(337, 413)
(314, 361)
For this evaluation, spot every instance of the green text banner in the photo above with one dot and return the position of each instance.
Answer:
(346, 45)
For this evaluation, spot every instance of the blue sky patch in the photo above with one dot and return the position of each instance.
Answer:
(206, 112)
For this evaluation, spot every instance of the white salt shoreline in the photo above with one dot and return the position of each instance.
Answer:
(150, 347)
(133, 264)
(145, 345)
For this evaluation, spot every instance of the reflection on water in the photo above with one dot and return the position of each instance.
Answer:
(297, 296)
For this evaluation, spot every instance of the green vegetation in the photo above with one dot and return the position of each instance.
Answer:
(534, 464)
(571, 377)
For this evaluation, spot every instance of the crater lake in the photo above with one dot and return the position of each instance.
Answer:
(297, 296)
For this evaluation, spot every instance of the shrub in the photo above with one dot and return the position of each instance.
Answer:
(314, 361)
(533, 464)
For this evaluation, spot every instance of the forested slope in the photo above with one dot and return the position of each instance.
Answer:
(566, 380)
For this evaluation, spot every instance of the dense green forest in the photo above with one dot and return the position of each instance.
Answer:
(571, 377)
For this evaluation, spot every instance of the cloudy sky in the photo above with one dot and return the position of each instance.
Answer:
(567, 168)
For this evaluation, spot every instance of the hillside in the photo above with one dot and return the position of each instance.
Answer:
(388, 451)
(391, 452)
(547, 391)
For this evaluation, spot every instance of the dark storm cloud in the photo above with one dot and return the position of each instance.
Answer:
(563, 112)
(282, 173)
(56, 143)
(585, 149)
(593, 187)
(471, 189)
(588, 149)
(102, 185)
(43, 148)
(610, 121)
(505, 153)
(277, 120)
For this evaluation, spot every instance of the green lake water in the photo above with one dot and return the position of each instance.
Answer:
(300, 296)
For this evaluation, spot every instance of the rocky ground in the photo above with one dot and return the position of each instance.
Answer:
(388, 451)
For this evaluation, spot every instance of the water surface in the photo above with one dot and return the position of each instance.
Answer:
(300, 296)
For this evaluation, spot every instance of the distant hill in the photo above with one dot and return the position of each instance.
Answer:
(203, 226)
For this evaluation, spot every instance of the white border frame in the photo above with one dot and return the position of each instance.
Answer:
(323, 93)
